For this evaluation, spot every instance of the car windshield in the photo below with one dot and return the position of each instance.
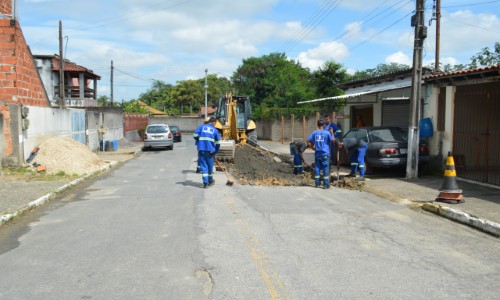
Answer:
(388, 135)
(157, 129)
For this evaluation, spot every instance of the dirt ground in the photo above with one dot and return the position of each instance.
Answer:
(254, 166)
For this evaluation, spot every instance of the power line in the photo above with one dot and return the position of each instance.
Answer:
(471, 4)
(317, 18)
(372, 21)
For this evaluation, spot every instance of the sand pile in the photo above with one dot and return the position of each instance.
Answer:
(62, 154)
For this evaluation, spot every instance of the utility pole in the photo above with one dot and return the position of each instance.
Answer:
(206, 93)
(438, 33)
(61, 66)
(111, 83)
(413, 134)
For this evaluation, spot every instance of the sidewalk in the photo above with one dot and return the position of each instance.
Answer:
(18, 196)
(481, 208)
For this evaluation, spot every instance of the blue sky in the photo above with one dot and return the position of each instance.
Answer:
(172, 40)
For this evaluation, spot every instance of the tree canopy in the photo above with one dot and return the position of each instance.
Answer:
(276, 83)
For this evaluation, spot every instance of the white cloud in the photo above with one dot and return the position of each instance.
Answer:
(316, 57)
(464, 33)
(400, 58)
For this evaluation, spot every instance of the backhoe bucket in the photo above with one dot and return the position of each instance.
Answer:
(226, 151)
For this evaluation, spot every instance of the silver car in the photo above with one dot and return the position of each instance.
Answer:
(158, 136)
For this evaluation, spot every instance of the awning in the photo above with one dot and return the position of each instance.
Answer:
(370, 91)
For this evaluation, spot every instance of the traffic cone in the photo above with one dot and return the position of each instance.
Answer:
(450, 192)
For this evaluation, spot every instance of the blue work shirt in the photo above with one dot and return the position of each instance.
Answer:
(207, 138)
(321, 139)
(336, 130)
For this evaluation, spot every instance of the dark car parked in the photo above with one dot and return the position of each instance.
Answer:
(176, 131)
(387, 146)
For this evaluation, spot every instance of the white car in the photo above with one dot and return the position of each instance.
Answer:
(158, 136)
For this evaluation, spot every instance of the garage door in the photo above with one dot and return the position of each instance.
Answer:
(396, 113)
(476, 131)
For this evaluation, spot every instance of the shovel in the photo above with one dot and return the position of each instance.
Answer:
(229, 181)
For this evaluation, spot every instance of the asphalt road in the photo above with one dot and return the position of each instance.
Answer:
(148, 231)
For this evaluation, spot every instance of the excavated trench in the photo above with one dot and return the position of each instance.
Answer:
(255, 166)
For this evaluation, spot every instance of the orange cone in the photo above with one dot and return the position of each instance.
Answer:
(450, 192)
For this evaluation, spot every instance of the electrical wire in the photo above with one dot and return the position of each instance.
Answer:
(471, 4)
(310, 25)
(370, 22)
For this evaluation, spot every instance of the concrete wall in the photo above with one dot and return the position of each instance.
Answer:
(94, 123)
(111, 122)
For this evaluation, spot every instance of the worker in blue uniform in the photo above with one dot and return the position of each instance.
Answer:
(298, 148)
(208, 144)
(336, 132)
(321, 140)
(198, 166)
(357, 150)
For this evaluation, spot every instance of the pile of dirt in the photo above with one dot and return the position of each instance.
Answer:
(255, 166)
(62, 154)
(348, 183)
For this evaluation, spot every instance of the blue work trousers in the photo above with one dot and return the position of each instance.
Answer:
(358, 160)
(322, 163)
(206, 161)
(298, 167)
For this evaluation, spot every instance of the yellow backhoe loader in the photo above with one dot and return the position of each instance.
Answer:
(235, 124)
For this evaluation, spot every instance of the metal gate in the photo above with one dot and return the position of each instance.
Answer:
(476, 132)
(78, 126)
(396, 113)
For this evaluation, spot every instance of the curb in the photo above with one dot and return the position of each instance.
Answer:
(456, 215)
(7, 217)
(487, 226)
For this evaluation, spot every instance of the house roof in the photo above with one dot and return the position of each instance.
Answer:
(151, 110)
(477, 73)
(377, 79)
(69, 66)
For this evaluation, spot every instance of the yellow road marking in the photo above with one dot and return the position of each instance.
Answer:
(272, 281)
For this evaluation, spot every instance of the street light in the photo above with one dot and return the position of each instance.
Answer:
(206, 96)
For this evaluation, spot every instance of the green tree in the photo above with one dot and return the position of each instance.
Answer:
(157, 95)
(326, 80)
(187, 94)
(379, 70)
(486, 57)
(103, 100)
(133, 106)
(273, 81)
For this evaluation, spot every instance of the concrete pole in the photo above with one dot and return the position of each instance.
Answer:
(206, 93)
(111, 83)
(61, 66)
(413, 133)
(438, 33)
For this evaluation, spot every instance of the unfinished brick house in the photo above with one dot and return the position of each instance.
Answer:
(20, 85)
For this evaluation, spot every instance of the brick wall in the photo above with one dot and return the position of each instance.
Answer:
(6, 133)
(20, 84)
(19, 77)
(6, 7)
